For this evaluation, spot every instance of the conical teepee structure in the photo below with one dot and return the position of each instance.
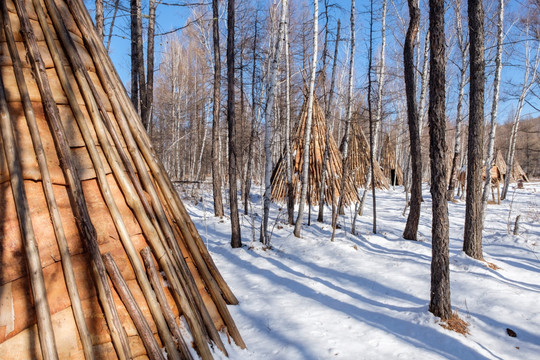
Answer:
(359, 159)
(317, 146)
(98, 256)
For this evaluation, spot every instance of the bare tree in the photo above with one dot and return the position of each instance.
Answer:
(494, 106)
(216, 171)
(236, 237)
(439, 303)
(150, 65)
(328, 113)
(463, 46)
(411, 228)
(345, 144)
(472, 240)
(530, 66)
(290, 186)
(371, 123)
(307, 139)
(270, 97)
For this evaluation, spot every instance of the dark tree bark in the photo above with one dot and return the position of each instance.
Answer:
(236, 238)
(411, 228)
(140, 65)
(472, 244)
(134, 57)
(216, 173)
(440, 268)
(147, 121)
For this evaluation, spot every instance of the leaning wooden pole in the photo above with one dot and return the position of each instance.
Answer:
(152, 348)
(67, 266)
(82, 217)
(35, 272)
(152, 272)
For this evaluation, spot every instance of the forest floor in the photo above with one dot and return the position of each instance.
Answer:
(366, 296)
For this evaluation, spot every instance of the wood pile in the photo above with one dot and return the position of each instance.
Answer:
(334, 164)
(98, 256)
(358, 160)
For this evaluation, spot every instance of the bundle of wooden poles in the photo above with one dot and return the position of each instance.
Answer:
(358, 160)
(99, 257)
(316, 152)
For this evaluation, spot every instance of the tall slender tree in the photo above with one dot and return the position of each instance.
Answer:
(216, 170)
(147, 122)
(472, 239)
(411, 228)
(288, 159)
(271, 90)
(494, 105)
(99, 18)
(307, 139)
(371, 122)
(236, 237)
(439, 304)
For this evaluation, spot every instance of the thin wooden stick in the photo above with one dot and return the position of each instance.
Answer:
(98, 165)
(146, 254)
(152, 348)
(82, 217)
(35, 272)
(67, 266)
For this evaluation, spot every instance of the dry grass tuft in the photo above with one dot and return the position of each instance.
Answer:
(456, 324)
(492, 266)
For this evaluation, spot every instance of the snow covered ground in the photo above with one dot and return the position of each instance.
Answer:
(366, 296)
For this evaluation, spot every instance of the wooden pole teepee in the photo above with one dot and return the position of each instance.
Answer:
(317, 148)
(78, 179)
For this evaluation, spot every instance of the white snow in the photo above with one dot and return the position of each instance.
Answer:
(367, 296)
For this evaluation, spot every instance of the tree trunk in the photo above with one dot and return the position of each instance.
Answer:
(344, 166)
(147, 121)
(411, 228)
(494, 107)
(307, 139)
(247, 185)
(463, 45)
(111, 27)
(439, 303)
(140, 65)
(216, 173)
(380, 81)
(236, 238)
(328, 112)
(371, 124)
(134, 57)
(472, 239)
(270, 97)
(289, 170)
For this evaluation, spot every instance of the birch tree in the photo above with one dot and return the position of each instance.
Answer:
(288, 159)
(530, 75)
(494, 106)
(270, 97)
(307, 139)
(463, 46)
(216, 173)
